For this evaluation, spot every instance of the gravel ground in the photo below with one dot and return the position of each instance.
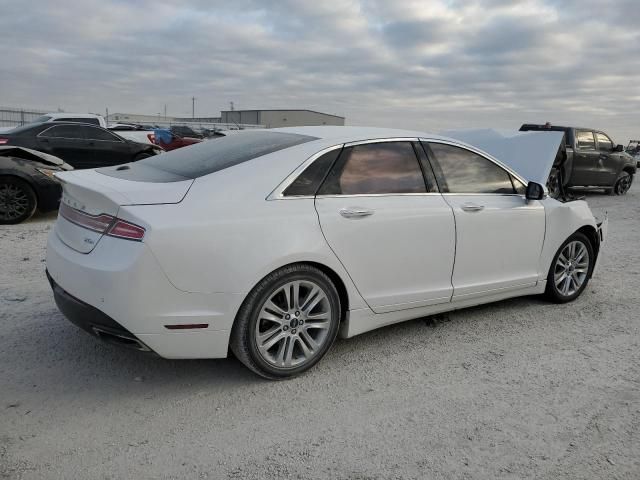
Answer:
(517, 389)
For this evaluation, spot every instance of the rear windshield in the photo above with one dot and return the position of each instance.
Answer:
(210, 156)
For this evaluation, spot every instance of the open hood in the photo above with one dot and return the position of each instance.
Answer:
(29, 154)
(530, 154)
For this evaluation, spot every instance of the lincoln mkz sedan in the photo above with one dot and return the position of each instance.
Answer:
(270, 243)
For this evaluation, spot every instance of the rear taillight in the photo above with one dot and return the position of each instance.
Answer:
(103, 223)
(3, 141)
(129, 231)
(151, 137)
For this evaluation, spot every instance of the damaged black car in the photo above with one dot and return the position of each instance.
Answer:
(27, 183)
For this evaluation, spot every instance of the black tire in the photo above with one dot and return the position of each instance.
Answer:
(553, 292)
(141, 156)
(18, 201)
(623, 183)
(243, 341)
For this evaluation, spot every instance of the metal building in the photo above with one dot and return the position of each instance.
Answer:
(280, 118)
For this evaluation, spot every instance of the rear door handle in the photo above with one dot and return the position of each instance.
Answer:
(355, 212)
(471, 207)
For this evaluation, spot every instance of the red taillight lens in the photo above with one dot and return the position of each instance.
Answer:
(151, 137)
(129, 231)
(103, 223)
(3, 140)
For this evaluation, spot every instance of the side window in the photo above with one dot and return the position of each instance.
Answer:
(375, 168)
(463, 171)
(92, 133)
(311, 178)
(604, 143)
(584, 140)
(63, 131)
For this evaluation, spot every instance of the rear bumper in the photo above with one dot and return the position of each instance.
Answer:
(603, 230)
(92, 320)
(120, 290)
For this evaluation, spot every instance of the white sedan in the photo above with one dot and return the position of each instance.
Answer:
(273, 242)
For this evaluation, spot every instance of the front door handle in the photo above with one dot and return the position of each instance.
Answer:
(471, 207)
(355, 212)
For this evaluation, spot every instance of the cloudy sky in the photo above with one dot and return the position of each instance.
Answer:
(429, 65)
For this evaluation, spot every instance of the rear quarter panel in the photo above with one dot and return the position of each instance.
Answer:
(225, 236)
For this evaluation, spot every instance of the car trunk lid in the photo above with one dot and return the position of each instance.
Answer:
(90, 204)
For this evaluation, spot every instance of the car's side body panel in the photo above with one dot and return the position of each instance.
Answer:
(498, 246)
(401, 255)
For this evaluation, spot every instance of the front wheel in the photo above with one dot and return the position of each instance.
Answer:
(571, 269)
(623, 184)
(287, 323)
(18, 201)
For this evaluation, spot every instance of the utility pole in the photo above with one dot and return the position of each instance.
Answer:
(193, 107)
(165, 112)
(231, 106)
(107, 116)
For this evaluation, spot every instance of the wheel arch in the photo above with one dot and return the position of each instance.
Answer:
(629, 169)
(592, 234)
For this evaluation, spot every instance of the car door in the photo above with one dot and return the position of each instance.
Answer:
(392, 231)
(585, 159)
(608, 163)
(68, 143)
(108, 149)
(499, 234)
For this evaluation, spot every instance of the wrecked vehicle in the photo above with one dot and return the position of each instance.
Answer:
(289, 237)
(27, 183)
(588, 158)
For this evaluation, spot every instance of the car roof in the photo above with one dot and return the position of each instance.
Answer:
(353, 133)
(71, 115)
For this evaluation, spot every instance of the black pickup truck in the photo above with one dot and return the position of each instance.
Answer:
(589, 159)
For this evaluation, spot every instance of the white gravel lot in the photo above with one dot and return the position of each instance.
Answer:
(517, 389)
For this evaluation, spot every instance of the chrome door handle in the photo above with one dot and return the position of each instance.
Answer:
(355, 212)
(471, 207)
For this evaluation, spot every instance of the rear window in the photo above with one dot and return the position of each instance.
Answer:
(212, 155)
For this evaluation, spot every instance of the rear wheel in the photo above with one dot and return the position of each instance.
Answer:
(18, 201)
(623, 184)
(287, 323)
(571, 269)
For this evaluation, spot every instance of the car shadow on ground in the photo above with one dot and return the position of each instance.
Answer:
(86, 364)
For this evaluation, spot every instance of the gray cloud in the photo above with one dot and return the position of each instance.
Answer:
(423, 65)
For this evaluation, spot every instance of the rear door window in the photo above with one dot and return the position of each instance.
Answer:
(63, 131)
(376, 168)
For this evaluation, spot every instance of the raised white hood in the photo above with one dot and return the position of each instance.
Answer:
(530, 154)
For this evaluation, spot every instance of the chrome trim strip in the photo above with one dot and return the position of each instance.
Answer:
(381, 140)
(356, 195)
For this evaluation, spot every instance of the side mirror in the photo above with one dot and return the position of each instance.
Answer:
(535, 191)
(619, 148)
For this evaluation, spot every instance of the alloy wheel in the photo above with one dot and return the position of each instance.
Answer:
(571, 268)
(293, 324)
(14, 202)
